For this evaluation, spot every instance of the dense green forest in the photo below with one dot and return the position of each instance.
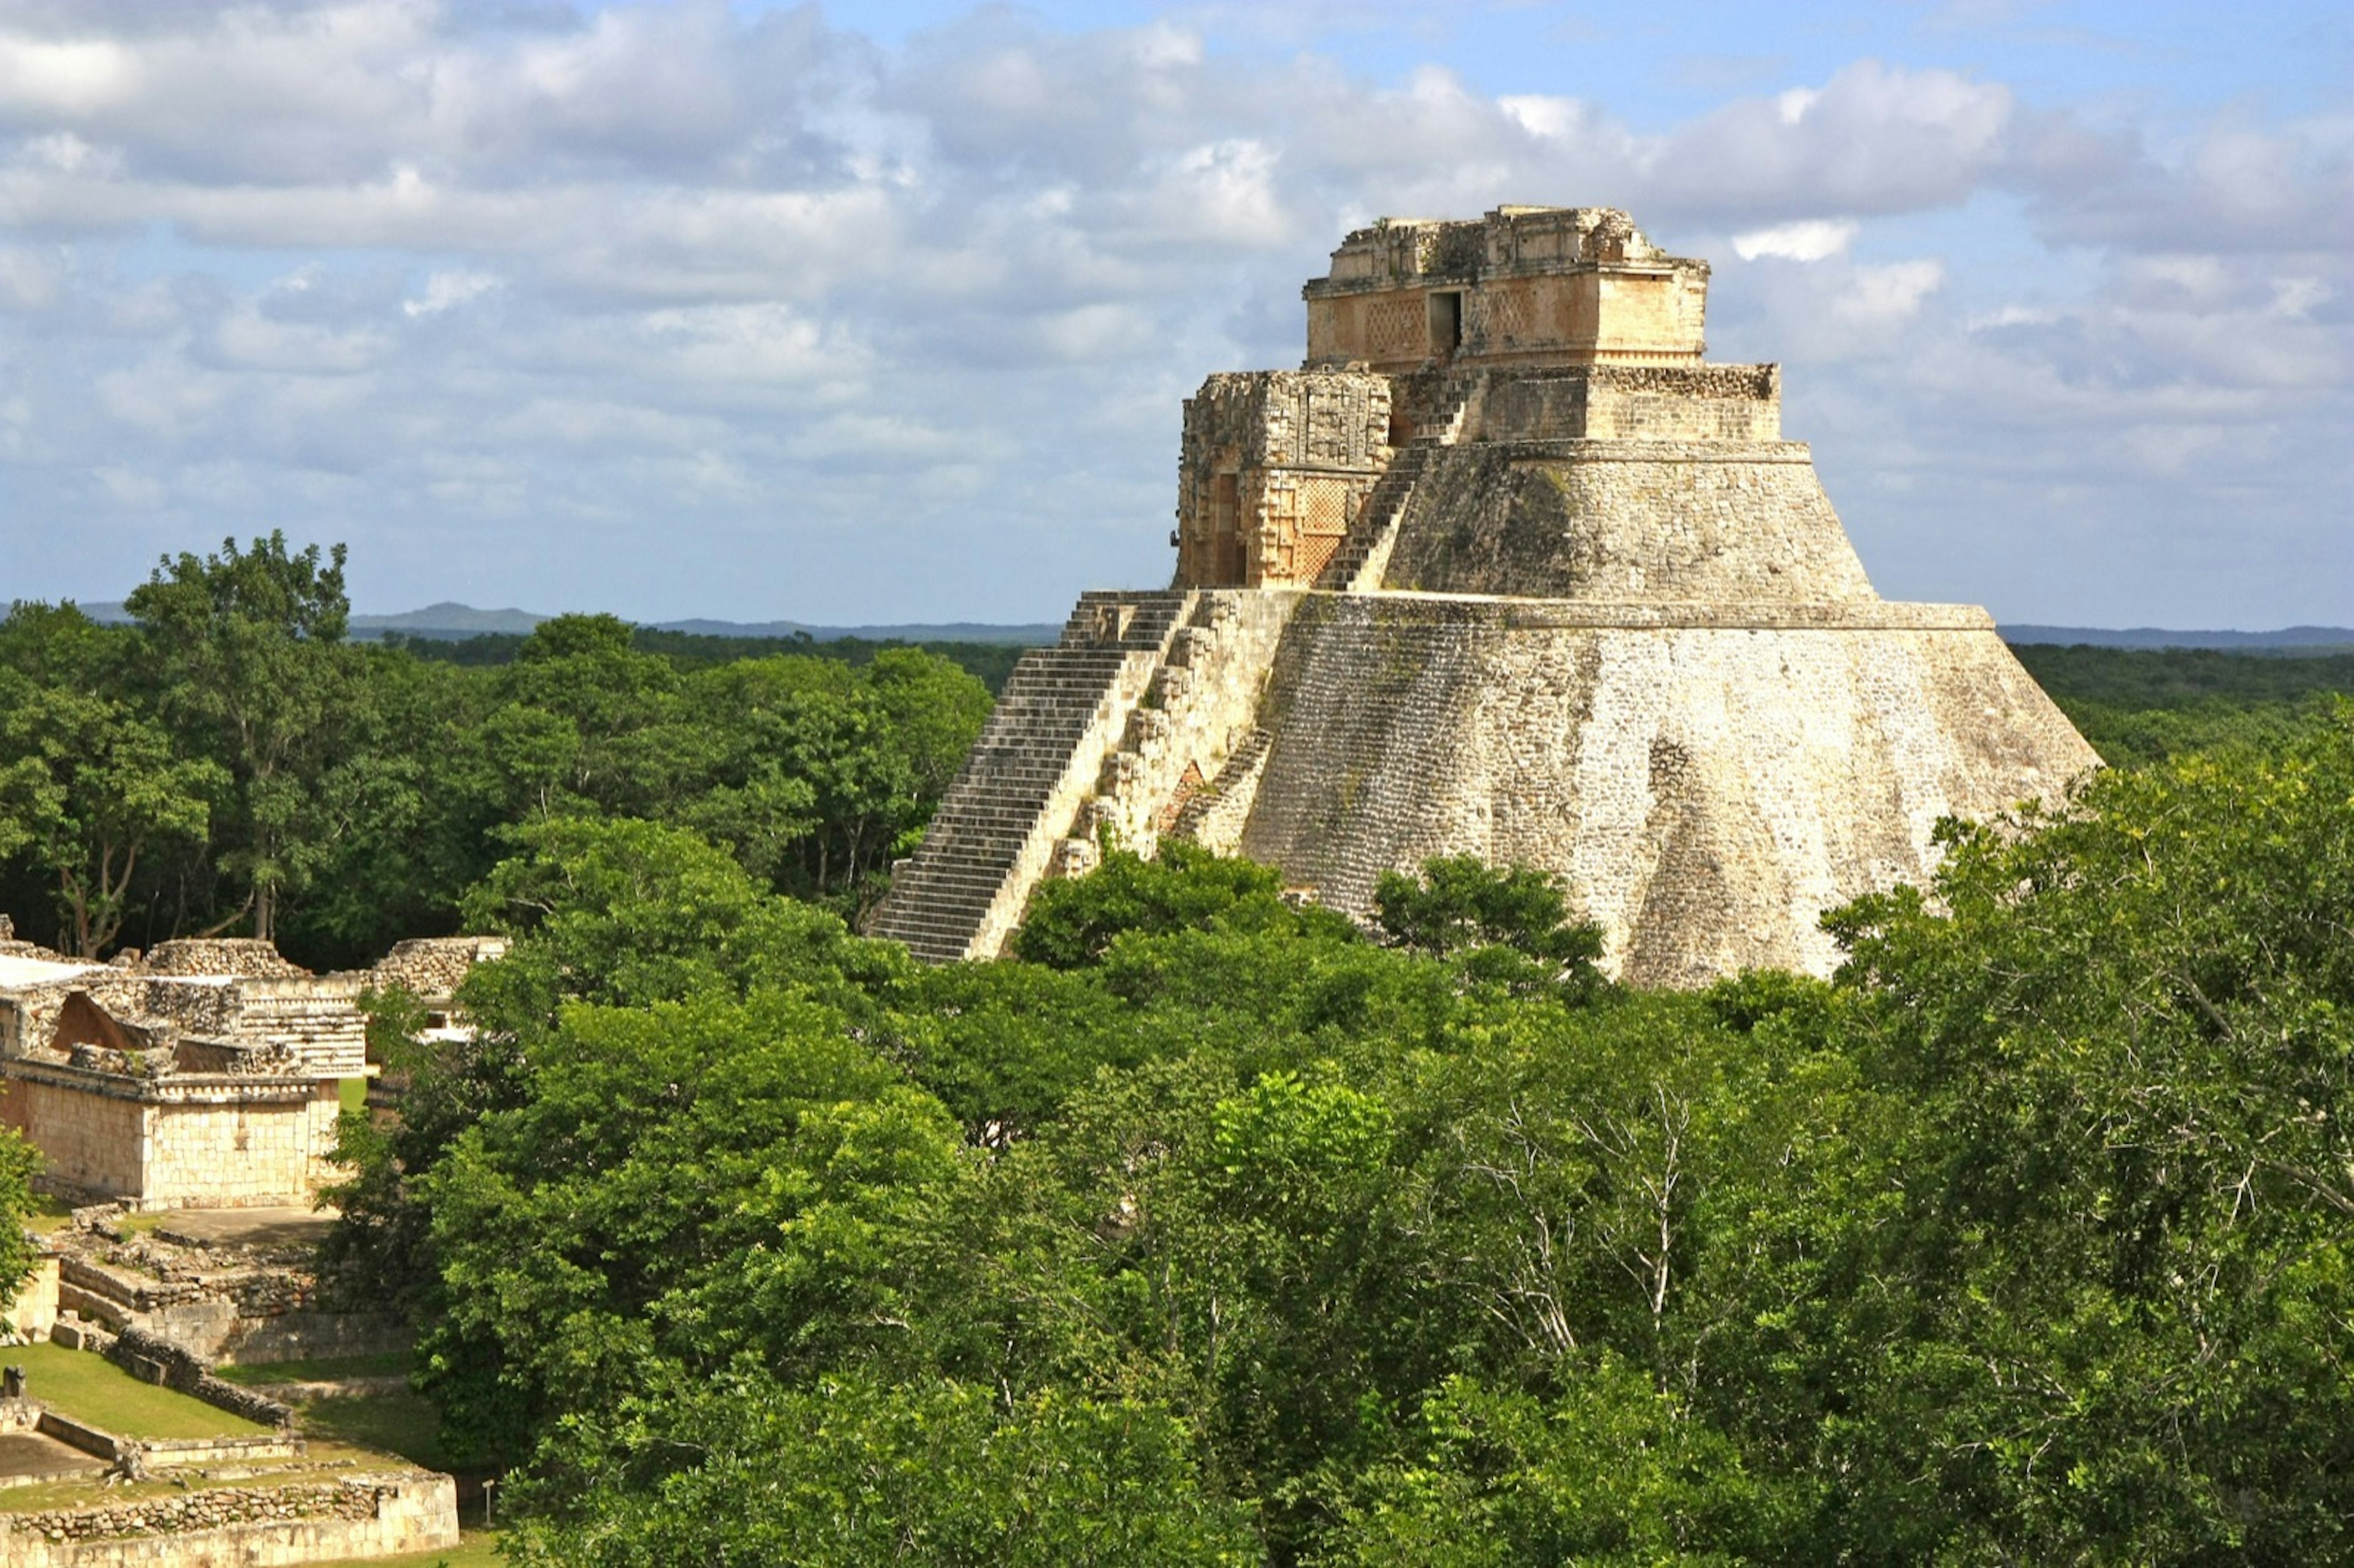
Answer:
(229, 762)
(2138, 705)
(1214, 1230)
(1210, 1229)
(990, 662)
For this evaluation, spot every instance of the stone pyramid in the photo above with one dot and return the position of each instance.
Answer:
(1505, 569)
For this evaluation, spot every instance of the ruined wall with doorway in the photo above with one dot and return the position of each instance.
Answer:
(1272, 470)
(1521, 286)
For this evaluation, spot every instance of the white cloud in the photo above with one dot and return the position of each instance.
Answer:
(248, 340)
(1555, 118)
(447, 289)
(129, 488)
(1885, 296)
(698, 273)
(1810, 239)
(30, 278)
(77, 77)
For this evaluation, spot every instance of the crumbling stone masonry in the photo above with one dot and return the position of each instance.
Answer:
(360, 1515)
(1506, 569)
(206, 1073)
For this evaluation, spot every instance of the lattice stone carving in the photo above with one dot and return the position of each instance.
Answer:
(1496, 317)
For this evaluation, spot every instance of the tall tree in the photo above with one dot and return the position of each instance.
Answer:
(87, 786)
(246, 644)
(20, 1164)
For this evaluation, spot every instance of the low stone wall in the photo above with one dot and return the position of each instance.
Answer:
(164, 1452)
(169, 1452)
(76, 1435)
(143, 1355)
(74, 1334)
(251, 1315)
(361, 1516)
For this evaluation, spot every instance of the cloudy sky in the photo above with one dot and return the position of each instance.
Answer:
(884, 311)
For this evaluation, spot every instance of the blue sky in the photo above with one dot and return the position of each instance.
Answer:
(886, 312)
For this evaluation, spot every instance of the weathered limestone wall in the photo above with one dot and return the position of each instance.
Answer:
(1626, 521)
(432, 968)
(311, 1336)
(1203, 704)
(316, 1016)
(1273, 466)
(180, 1141)
(1740, 403)
(219, 1150)
(91, 1143)
(1651, 316)
(360, 1517)
(244, 956)
(28, 1013)
(1707, 780)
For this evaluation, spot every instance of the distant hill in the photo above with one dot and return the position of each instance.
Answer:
(448, 621)
(445, 619)
(914, 631)
(2293, 636)
(451, 622)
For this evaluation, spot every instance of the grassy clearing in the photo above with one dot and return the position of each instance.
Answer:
(89, 1388)
(392, 1363)
(403, 1423)
(49, 1213)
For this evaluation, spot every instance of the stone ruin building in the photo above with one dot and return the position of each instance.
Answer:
(206, 1073)
(1507, 568)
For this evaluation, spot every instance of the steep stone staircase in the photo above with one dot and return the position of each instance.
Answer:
(1363, 554)
(1065, 711)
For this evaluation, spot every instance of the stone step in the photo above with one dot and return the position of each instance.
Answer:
(993, 815)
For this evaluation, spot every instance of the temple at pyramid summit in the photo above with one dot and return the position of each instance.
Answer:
(1505, 569)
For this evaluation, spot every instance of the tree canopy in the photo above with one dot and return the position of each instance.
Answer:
(1211, 1228)
(1214, 1230)
(228, 762)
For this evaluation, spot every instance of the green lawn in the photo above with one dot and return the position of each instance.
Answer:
(89, 1388)
(49, 1213)
(402, 1424)
(392, 1363)
(353, 1093)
